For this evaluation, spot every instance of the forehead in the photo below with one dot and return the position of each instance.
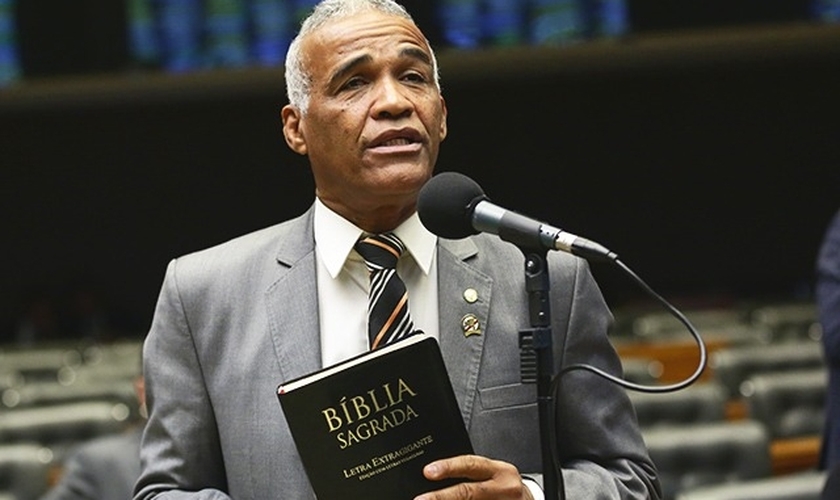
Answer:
(368, 33)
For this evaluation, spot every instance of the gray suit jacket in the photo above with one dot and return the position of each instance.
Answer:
(234, 321)
(104, 468)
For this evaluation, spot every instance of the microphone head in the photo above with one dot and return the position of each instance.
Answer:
(446, 204)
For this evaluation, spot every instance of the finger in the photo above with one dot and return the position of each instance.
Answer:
(471, 467)
(500, 488)
(456, 492)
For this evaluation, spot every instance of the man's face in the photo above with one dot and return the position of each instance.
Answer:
(375, 118)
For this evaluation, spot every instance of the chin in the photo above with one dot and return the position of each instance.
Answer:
(407, 179)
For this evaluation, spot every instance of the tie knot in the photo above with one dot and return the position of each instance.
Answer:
(380, 251)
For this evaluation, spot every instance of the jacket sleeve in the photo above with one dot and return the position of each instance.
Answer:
(600, 446)
(180, 454)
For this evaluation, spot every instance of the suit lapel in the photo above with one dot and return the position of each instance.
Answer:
(292, 305)
(292, 301)
(464, 292)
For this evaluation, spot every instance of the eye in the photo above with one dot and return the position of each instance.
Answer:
(415, 77)
(353, 83)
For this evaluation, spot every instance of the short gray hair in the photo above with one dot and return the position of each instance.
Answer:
(298, 81)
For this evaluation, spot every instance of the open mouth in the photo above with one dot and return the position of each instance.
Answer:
(397, 141)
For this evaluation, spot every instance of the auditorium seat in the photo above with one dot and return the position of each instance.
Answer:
(39, 363)
(53, 393)
(663, 325)
(121, 358)
(689, 456)
(734, 365)
(790, 404)
(801, 486)
(698, 403)
(788, 322)
(61, 426)
(24, 471)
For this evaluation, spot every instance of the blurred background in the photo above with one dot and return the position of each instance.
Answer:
(698, 140)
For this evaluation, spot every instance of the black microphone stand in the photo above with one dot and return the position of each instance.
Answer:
(537, 364)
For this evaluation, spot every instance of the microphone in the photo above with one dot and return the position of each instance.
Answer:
(452, 205)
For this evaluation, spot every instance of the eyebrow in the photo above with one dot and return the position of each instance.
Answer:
(348, 67)
(417, 53)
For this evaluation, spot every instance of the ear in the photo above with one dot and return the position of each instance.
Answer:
(443, 128)
(292, 129)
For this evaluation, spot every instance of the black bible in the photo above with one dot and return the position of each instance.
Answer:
(366, 427)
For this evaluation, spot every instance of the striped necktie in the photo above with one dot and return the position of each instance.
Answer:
(388, 317)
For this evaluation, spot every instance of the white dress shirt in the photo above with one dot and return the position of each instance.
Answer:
(343, 282)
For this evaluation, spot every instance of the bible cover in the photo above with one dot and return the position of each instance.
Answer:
(366, 427)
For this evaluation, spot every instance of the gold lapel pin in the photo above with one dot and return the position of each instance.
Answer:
(470, 295)
(470, 325)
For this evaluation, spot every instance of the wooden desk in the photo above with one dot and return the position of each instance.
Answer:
(795, 454)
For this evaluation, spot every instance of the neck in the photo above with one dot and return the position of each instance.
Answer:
(380, 219)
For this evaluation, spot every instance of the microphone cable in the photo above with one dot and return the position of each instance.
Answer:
(555, 384)
(701, 365)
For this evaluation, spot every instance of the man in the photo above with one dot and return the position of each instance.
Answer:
(234, 321)
(828, 307)
(104, 468)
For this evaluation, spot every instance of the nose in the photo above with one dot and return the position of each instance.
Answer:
(391, 100)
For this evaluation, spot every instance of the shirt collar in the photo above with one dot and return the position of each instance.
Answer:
(335, 237)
